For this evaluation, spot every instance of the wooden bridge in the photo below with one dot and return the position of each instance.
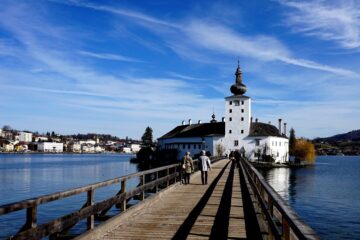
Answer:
(236, 203)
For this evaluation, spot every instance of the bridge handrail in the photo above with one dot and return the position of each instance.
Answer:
(281, 227)
(90, 210)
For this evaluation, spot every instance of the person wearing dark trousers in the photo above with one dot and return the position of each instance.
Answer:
(188, 167)
(204, 166)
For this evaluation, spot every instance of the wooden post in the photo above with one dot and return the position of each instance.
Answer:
(181, 175)
(167, 174)
(157, 185)
(123, 190)
(31, 218)
(90, 202)
(142, 195)
(175, 175)
(285, 229)
(270, 206)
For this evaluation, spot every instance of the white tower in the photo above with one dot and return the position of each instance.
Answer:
(237, 114)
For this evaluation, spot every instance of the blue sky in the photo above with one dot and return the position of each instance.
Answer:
(119, 66)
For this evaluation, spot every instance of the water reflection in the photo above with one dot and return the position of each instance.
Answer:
(326, 196)
(279, 180)
(292, 186)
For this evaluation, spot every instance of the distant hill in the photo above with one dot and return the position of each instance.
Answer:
(352, 136)
(340, 144)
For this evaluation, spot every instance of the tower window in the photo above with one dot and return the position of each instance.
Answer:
(183, 146)
(230, 103)
(237, 102)
(229, 131)
(230, 119)
(257, 142)
(230, 110)
(242, 119)
(242, 102)
(242, 110)
(236, 143)
(242, 131)
(188, 146)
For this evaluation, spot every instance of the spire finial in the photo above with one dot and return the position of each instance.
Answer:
(213, 117)
(238, 88)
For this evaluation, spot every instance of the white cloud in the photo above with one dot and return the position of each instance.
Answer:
(216, 37)
(121, 12)
(339, 21)
(223, 39)
(108, 56)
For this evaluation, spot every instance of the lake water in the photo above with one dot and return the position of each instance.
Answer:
(24, 176)
(326, 196)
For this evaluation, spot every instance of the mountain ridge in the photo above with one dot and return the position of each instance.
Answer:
(353, 135)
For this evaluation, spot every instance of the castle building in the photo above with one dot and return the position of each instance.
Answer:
(236, 132)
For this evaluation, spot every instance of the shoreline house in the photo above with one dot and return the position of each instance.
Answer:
(236, 132)
(50, 147)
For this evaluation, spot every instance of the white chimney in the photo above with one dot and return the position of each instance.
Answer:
(190, 121)
(223, 119)
(285, 129)
(199, 122)
(183, 122)
(280, 126)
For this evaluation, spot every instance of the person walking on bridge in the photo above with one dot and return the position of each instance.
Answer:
(204, 166)
(188, 167)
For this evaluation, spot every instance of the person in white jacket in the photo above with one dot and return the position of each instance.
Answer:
(204, 166)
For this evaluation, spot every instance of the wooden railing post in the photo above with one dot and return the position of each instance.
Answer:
(270, 206)
(142, 195)
(90, 202)
(181, 175)
(31, 219)
(167, 174)
(123, 190)
(175, 169)
(285, 229)
(157, 185)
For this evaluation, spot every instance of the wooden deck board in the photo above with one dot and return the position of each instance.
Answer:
(191, 210)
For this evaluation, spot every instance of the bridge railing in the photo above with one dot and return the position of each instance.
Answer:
(161, 177)
(280, 219)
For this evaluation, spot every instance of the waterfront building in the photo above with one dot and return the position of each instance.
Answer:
(235, 132)
(89, 141)
(25, 137)
(21, 147)
(6, 145)
(135, 147)
(98, 149)
(87, 148)
(50, 147)
(7, 135)
(41, 139)
(125, 149)
(74, 147)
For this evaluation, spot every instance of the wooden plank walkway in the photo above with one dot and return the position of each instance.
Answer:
(193, 211)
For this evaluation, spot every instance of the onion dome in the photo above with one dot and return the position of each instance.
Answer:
(213, 118)
(238, 88)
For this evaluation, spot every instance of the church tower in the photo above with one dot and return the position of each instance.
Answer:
(237, 114)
